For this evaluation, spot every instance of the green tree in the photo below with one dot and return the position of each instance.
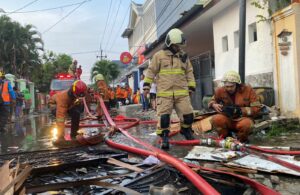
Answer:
(19, 47)
(270, 6)
(108, 69)
(52, 65)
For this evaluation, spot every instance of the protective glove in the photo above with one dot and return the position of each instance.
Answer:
(232, 111)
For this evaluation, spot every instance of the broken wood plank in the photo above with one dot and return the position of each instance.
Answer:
(18, 181)
(125, 165)
(5, 179)
(236, 169)
(203, 125)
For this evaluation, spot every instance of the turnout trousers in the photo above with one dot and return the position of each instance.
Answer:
(165, 106)
(242, 126)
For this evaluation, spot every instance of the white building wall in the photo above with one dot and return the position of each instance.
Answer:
(259, 54)
(145, 28)
(131, 82)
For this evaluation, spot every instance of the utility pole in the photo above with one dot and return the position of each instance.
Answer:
(242, 36)
(101, 56)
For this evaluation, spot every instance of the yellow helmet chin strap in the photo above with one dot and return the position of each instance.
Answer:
(74, 84)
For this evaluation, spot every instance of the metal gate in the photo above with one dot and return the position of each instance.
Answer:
(203, 71)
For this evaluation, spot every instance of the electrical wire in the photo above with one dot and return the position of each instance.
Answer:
(92, 51)
(28, 4)
(47, 9)
(113, 25)
(68, 14)
(171, 13)
(105, 25)
(121, 27)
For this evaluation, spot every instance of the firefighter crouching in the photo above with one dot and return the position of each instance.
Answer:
(175, 80)
(68, 102)
(236, 104)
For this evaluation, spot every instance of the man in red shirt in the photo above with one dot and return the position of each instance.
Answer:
(78, 72)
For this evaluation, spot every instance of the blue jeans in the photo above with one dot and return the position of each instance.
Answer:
(18, 111)
(144, 102)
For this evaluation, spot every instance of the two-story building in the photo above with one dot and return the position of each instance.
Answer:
(212, 31)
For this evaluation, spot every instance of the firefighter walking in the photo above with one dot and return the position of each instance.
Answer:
(102, 89)
(175, 80)
(236, 104)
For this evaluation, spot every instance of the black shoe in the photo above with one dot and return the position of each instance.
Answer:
(187, 133)
(165, 140)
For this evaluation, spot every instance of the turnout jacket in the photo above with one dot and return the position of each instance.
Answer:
(174, 74)
(245, 97)
(62, 102)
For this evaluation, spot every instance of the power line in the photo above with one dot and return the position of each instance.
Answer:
(47, 9)
(157, 19)
(171, 13)
(92, 51)
(121, 27)
(113, 25)
(28, 4)
(105, 25)
(73, 10)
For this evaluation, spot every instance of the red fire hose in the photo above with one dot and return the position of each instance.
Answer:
(198, 181)
(259, 187)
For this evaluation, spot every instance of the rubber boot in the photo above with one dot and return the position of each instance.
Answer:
(165, 140)
(187, 133)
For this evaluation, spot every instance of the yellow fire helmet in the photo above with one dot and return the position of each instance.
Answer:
(175, 36)
(232, 77)
(2, 73)
(99, 77)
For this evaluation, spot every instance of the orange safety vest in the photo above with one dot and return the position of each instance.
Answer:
(112, 95)
(119, 92)
(125, 93)
(5, 93)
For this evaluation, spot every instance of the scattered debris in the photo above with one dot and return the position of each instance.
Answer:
(81, 170)
(151, 160)
(275, 179)
(166, 189)
(125, 165)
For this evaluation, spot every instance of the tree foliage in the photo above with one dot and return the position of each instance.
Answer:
(19, 48)
(270, 6)
(52, 65)
(108, 69)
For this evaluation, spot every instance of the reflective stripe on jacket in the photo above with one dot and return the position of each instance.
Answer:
(173, 76)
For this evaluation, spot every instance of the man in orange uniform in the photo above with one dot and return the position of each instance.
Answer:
(103, 91)
(68, 102)
(119, 94)
(129, 90)
(236, 104)
(125, 95)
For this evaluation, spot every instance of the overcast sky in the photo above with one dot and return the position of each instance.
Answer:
(81, 31)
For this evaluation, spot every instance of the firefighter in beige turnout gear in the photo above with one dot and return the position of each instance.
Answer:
(175, 80)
